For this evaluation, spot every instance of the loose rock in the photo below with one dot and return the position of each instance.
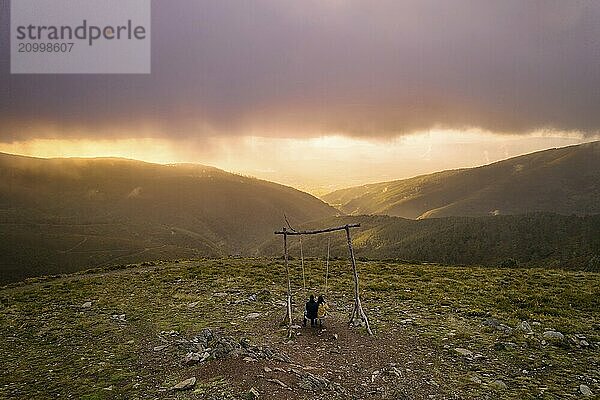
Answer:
(553, 335)
(253, 393)
(498, 385)
(524, 327)
(585, 390)
(505, 346)
(494, 323)
(311, 382)
(211, 345)
(463, 352)
(186, 384)
(277, 381)
(191, 358)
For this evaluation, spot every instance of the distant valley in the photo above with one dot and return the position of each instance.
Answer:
(65, 215)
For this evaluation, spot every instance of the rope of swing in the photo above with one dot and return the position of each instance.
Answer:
(302, 263)
(302, 259)
(327, 264)
(301, 253)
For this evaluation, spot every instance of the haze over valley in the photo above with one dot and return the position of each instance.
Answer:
(63, 215)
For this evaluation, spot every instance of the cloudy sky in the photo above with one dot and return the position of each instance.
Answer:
(324, 93)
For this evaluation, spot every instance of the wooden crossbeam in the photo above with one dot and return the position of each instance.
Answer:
(315, 232)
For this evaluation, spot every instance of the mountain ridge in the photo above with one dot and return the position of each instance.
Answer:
(562, 180)
(82, 213)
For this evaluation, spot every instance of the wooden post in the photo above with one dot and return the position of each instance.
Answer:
(358, 310)
(289, 286)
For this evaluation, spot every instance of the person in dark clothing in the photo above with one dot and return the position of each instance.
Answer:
(312, 308)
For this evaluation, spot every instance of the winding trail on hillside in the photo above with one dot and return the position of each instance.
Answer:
(85, 239)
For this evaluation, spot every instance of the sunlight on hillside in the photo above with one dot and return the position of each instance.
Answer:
(151, 150)
(318, 165)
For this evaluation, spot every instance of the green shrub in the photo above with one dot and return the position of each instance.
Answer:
(594, 264)
(508, 263)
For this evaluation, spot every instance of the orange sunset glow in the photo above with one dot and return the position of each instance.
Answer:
(318, 165)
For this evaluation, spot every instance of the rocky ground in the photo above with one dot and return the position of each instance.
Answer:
(211, 329)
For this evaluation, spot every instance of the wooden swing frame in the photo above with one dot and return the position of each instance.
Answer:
(357, 311)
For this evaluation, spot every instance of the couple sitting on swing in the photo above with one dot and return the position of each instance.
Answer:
(315, 310)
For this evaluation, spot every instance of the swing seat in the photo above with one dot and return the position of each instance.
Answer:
(321, 319)
(318, 320)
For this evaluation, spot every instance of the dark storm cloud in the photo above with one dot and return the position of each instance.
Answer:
(379, 68)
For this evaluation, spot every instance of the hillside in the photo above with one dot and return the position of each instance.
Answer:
(440, 333)
(540, 239)
(61, 215)
(564, 181)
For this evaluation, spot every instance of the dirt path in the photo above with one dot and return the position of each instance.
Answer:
(85, 239)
